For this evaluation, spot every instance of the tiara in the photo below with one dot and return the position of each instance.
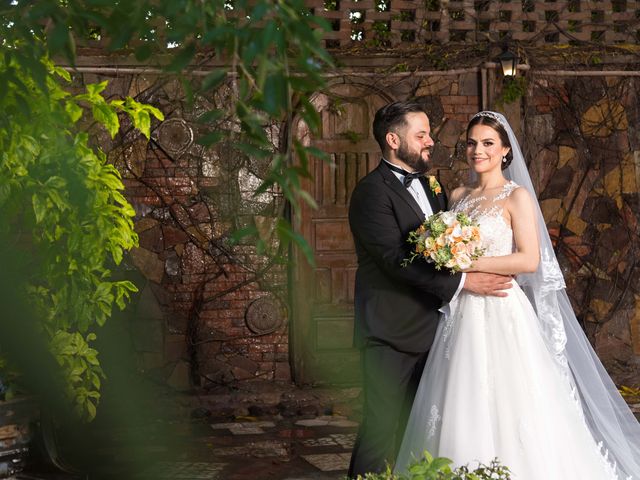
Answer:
(493, 115)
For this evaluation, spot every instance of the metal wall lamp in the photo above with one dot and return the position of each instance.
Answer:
(509, 63)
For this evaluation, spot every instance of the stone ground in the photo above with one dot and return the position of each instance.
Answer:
(262, 432)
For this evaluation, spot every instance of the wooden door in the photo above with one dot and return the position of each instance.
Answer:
(322, 317)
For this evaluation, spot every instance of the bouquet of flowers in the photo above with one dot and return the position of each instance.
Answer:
(447, 239)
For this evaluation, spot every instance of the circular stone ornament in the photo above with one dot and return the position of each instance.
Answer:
(175, 136)
(264, 315)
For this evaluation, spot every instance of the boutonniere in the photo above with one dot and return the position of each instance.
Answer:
(434, 185)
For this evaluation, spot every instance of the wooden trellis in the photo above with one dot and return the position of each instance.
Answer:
(387, 23)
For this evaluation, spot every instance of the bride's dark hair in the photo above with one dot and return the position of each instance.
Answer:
(490, 121)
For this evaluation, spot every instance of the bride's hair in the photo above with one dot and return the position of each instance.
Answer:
(484, 118)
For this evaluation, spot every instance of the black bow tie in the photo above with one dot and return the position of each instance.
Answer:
(408, 177)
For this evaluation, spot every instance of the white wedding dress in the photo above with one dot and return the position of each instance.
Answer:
(491, 387)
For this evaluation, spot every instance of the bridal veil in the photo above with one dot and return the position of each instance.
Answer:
(607, 415)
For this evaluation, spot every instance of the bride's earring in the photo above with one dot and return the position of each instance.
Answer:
(504, 159)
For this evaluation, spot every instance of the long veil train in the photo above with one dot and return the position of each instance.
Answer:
(610, 420)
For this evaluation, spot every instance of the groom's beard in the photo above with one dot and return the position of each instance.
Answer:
(415, 160)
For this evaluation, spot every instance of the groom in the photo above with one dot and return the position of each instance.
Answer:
(396, 308)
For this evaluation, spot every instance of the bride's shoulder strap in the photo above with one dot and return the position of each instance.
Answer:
(507, 190)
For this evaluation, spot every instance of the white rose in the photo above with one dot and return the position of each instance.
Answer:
(448, 218)
(463, 261)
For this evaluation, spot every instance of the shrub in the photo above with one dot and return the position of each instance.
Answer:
(430, 468)
(63, 214)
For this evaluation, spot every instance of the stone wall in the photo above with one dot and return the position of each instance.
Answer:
(211, 313)
(583, 136)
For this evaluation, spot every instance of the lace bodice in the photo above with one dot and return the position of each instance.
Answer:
(488, 210)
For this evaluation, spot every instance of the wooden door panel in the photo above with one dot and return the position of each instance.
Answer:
(322, 330)
(334, 333)
(331, 235)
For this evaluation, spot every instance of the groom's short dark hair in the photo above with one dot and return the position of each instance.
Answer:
(391, 117)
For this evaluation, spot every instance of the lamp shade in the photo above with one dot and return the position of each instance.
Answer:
(509, 63)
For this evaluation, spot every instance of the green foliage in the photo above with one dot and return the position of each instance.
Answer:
(514, 88)
(272, 49)
(59, 199)
(430, 468)
(353, 137)
(62, 207)
(381, 34)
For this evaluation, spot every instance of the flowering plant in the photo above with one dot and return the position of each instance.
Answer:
(447, 239)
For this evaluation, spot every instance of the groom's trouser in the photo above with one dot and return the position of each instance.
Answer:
(390, 381)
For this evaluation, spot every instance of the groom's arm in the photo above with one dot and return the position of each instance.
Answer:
(376, 229)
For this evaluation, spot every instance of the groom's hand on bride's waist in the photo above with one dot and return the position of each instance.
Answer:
(487, 283)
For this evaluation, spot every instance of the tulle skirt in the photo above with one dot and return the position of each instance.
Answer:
(491, 389)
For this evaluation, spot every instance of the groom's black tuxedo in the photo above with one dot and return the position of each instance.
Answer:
(396, 309)
(394, 305)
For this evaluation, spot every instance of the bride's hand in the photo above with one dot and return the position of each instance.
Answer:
(476, 266)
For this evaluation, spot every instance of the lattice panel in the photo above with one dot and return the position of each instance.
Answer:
(386, 23)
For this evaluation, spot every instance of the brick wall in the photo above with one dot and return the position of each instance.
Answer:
(191, 322)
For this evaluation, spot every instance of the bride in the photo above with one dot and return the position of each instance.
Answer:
(515, 377)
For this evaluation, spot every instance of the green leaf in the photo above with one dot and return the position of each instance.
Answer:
(23, 106)
(30, 145)
(123, 290)
(310, 115)
(251, 51)
(269, 34)
(183, 58)
(156, 112)
(95, 381)
(253, 150)
(91, 409)
(440, 463)
(58, 38)
(317, 153)
(39, 208)
(35, 69)
(237, 236)
(210, 138)
(211, 116)
(308, 199)
(287, 235)
(142, 122)
(187, 88)
(73, 110)
(143, 52)
(213, 80)
(78, 370)
(259, 12)
(104, 114)
(61, 72)
(94, 89)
